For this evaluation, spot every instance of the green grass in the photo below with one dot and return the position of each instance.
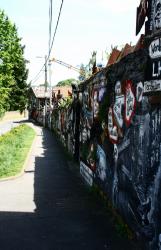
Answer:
(14, 147)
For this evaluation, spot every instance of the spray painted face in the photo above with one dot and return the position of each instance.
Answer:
(157, 18)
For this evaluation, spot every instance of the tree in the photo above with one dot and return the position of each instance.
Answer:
(83, 72)
(87, 70)
(13, 72)
(3, 100)
(67, 82)
(92, 66)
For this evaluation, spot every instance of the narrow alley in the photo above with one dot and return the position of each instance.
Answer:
(49, 206)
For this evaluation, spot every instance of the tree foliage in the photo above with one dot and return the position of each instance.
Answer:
(13, 72)
(67, 82)
(84, 72)
(4, 100)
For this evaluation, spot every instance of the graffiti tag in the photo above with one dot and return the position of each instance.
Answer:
(129, 103)
(117, 109)
(113, 134)
(152, 86)
(139, 91)
(155, 48)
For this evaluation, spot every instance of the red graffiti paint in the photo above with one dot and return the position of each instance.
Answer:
(130, 102)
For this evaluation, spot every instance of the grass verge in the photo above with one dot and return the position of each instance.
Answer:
(14, 147)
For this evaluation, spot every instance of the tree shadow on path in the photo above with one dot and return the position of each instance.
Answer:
(65, 217)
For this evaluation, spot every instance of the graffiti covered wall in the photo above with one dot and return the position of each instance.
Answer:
(113, 127)
(65, 121)
(120, 143)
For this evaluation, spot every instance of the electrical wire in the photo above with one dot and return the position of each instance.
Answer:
(50, 21)
(50, 27)
(53, 39)
(38, 75)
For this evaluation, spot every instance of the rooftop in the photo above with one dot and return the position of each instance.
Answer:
(39, 91)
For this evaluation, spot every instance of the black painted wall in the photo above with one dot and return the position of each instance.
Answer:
(113, 127)
(121, 152)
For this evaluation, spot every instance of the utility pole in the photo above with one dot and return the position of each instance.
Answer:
(45, 92)
(45, 84)
(50, 98)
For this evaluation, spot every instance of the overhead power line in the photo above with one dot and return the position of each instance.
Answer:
(53, 39)
(38, 75)
(50, 20)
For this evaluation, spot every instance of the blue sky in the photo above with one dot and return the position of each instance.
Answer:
(84, 26)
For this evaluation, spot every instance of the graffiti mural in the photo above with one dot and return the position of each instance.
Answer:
(129, 103)
(153, 25)
(88, 111)
(120, 145)
(135, 168)
(156, 14)
(113, 127)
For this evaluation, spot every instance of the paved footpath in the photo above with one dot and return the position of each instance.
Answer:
(48, 208)
(6, 126)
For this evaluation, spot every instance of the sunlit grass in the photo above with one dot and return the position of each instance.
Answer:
(14, 147)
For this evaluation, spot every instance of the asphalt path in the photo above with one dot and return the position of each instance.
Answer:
(8, 125)
(50, 208)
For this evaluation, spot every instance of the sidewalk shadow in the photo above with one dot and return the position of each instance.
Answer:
(65, 217)
(22, 121)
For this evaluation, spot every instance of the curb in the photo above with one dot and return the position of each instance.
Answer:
(22, 172)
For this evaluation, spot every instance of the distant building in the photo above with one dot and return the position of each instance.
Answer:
(38, 95)
(116, 55)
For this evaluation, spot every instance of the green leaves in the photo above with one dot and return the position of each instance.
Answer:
(67, 82)
(13, 72)
(4, 95)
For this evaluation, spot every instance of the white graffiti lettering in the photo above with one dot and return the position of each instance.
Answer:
(155, 49)
(152, 86)
(156, 69)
